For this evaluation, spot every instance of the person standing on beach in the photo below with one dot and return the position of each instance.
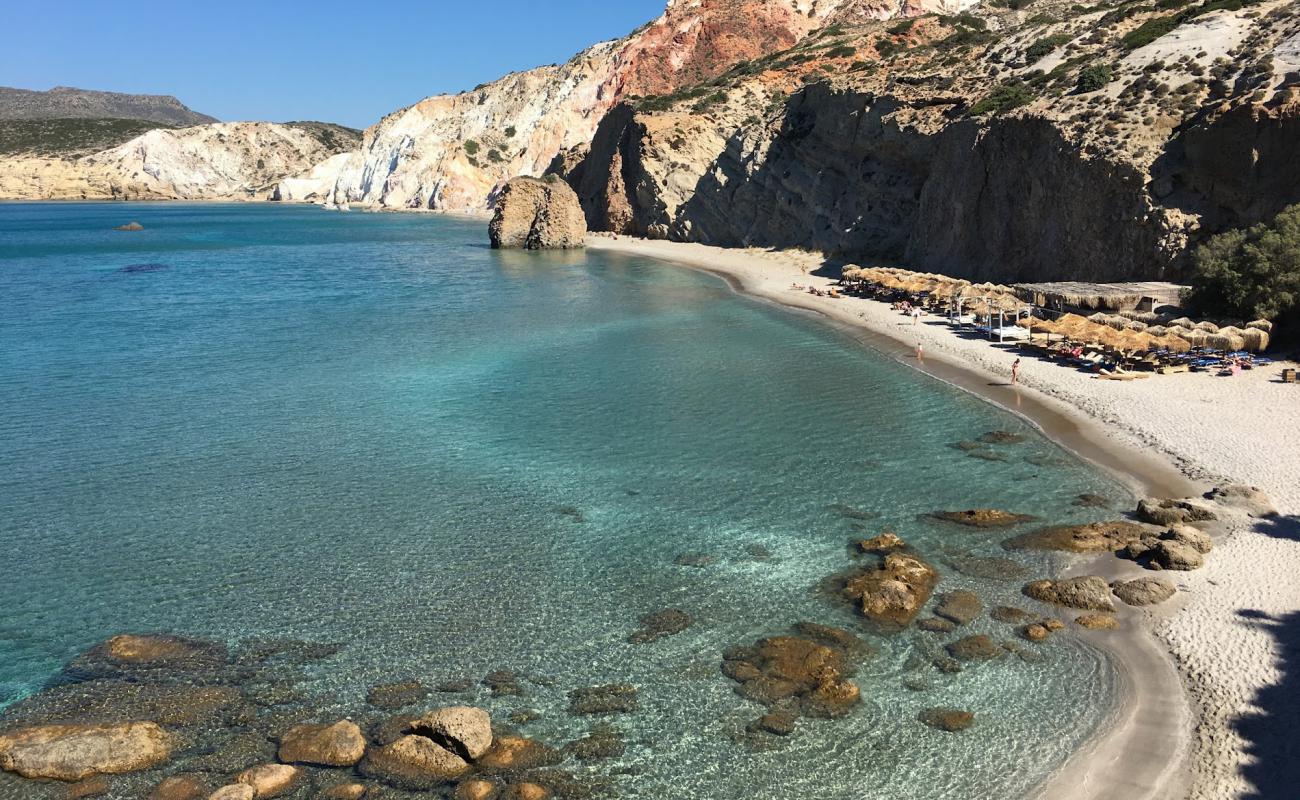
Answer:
(1015, 372)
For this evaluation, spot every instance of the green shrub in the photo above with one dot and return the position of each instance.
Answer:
(1094, 77)
(1252, 273)
(471, 147)
(1044, 46)
(1012, 94)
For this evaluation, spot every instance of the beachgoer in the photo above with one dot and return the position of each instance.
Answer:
(1015, 372)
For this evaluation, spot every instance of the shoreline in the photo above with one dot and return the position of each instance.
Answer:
(1171, 715)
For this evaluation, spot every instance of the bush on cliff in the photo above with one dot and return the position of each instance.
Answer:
(1004, 98)
(1252, 273)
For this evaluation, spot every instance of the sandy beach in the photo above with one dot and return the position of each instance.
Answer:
(1220, 731)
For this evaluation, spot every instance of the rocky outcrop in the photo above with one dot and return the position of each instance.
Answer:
(77, 752)
(537, 215)
(894, 592)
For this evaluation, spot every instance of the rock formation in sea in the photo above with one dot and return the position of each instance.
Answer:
(537, 214)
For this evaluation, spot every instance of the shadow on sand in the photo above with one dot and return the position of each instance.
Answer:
(1269, 729)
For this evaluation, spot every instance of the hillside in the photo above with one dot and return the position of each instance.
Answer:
(221, 161)
(452, 152)
(1046, 140)
(63, 102)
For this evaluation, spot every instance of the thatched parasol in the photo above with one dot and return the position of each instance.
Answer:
(1255, 339)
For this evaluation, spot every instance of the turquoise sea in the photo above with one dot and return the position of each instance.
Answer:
(372, 430)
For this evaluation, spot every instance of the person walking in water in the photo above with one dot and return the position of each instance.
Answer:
(1015, 372)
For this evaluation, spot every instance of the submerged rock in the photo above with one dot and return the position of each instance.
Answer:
(1012, 615)
(537, 215)
(960, 606)
(392, 696)
(1087, 593)
(1094, 537)
(1143, 591)
(658, 624)
(613, 698)
(516, 753)
(951, 720)
(975, 648)
(337, 745)
(893, 593)
(883, 543)
(77, 752)
(983, 518)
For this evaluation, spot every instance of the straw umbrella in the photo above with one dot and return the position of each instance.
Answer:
(1256, 339)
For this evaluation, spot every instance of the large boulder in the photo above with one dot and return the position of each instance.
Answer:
(77, 752)
(1143, 591)
(465, 730)
(538, 215)
(337, 745)
(413, 762)
(1087, 593)
(893, 593)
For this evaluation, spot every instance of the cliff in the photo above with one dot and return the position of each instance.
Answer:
(222, 161)
(1049, 142)
(452, 153)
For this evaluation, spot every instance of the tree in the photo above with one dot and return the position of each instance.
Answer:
(1252, 273)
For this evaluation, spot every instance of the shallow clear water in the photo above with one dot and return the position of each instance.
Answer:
(373, 430)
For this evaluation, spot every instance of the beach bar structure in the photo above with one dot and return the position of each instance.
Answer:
(1112, 297)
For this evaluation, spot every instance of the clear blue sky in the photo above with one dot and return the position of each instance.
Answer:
(347, 62)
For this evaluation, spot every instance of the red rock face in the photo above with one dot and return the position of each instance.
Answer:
(693, 42)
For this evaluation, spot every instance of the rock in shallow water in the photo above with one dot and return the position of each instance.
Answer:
(76, 752)
(537, 215)
(1143, 591)
(951, 720)
(893, 593)
(1087, 593)
(337, 745)
(983, 518)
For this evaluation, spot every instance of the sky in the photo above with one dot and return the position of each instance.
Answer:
(281, 60)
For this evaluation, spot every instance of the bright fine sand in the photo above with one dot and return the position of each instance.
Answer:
(1233, 625)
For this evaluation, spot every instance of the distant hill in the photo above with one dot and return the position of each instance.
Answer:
(68, 138)
(63, 102)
